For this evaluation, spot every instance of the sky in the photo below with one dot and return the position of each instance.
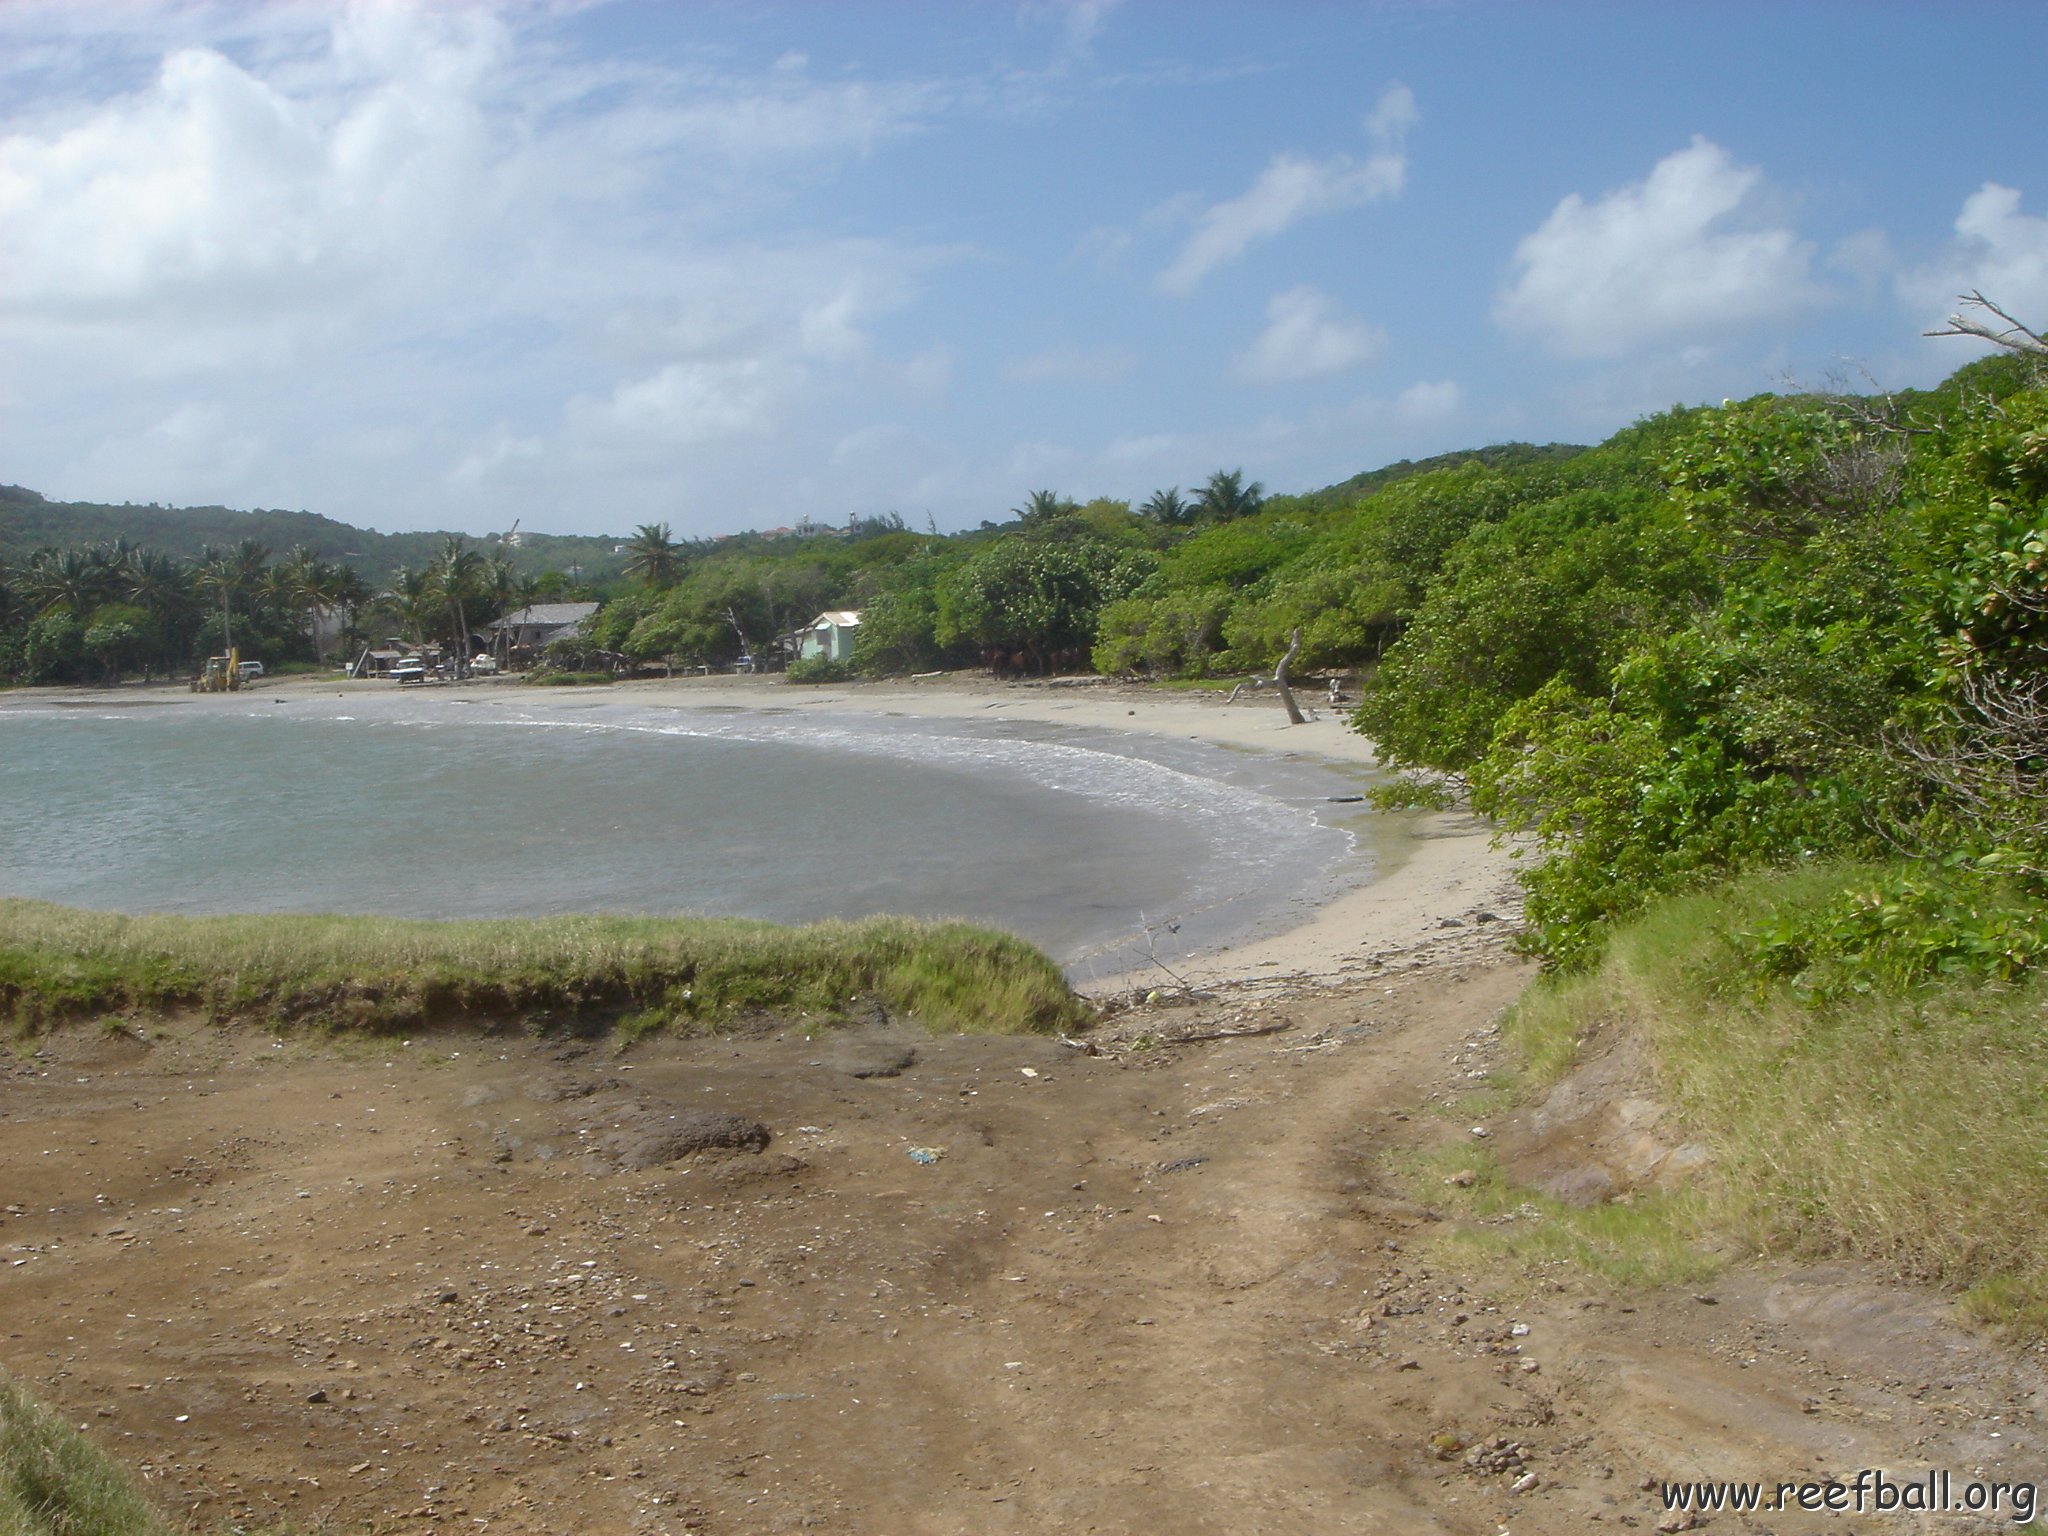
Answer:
(585, 265)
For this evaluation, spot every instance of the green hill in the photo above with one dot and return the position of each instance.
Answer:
(29, 521)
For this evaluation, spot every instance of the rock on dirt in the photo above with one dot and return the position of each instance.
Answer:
(648, 1138)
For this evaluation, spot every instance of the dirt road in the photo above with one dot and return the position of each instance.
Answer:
(969, 1285)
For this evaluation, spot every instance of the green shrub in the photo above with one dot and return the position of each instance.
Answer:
(820, 669)
(568, 679)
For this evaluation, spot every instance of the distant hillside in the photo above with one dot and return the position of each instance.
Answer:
(28, 521)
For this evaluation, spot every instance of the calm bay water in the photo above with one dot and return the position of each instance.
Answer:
(423, 805)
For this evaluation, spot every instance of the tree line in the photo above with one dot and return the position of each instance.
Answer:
(1791, 628)
(97, 614)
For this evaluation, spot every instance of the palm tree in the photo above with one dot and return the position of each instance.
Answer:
(228, 573)
(342, 589)
(1168, 508)
(71, 579)
(414, 597)
(1226, 497)
(508, 592)
(161, 588)
(456, 575)
(654, 556)
(1042, 506)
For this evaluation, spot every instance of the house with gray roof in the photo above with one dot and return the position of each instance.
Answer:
(537, 624)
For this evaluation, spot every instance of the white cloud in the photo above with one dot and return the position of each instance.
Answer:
(441, 261)
(198, 436)
(1080, 21)
(1671, 256)
(1998, 251)
(1294, 187)
(1069, 364)
(215, 192)
(1307, 336)
(1427, 403)
(878, 443)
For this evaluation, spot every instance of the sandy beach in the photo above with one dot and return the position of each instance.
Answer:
(1437, 879)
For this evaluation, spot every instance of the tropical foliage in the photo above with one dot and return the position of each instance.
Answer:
(1784, 629)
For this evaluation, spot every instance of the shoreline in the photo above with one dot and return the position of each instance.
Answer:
(1445, 885)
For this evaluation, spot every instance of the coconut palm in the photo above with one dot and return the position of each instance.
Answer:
(73, 580)
(653, 555)
(415, 600)
(457, 574)
(1168, 508)
(1226, 497)
(228, 574)
(508, 592)
(161, 588)
(342, 589)
(1042, 506)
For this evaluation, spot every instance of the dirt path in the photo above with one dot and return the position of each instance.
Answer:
(1011, 1287)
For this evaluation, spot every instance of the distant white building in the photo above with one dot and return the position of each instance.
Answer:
(829, 636)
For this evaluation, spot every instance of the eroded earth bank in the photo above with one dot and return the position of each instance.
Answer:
(967, 1285)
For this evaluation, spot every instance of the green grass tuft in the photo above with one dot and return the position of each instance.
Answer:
(1646, 1241)
(59, 964)
(55, 1482)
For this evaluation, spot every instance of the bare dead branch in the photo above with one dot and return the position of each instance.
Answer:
(2014, 337)
(1990, 755)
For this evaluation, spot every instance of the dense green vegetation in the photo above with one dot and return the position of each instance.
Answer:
(96, 614)
(59, 964)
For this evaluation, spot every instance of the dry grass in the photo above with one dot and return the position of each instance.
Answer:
(1908, 1127)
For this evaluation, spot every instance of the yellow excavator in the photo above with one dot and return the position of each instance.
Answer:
(223, 674)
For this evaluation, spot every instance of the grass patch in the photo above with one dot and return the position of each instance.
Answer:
(55, 1482)
(1645, 1241)
(60, 964)
(567, 679)
(1907, 1125)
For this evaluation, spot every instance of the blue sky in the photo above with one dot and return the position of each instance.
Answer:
(726, 265)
